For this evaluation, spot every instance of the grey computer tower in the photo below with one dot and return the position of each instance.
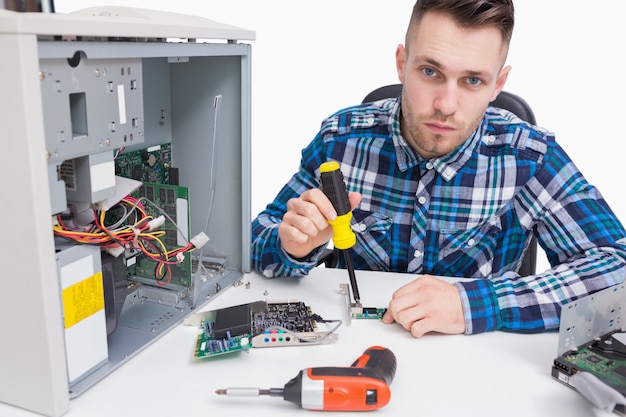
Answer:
(90, 102)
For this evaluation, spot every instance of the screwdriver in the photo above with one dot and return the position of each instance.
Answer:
(344, 238)
(362, 386)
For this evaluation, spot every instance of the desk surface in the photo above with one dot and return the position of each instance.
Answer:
(491, 374)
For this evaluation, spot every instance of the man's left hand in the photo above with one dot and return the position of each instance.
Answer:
(427, 304)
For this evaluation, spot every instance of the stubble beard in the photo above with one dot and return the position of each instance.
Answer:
(431, 145)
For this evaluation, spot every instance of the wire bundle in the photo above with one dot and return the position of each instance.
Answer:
(135, 230)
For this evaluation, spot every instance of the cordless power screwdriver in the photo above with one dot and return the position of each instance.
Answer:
(362, 386)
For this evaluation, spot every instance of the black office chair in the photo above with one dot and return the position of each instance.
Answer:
(504, 100)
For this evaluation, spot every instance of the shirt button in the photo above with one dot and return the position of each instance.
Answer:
(370, 121)
(421, 200)
(471, 242)
(417, 254)
(429, 165)
(491, 139)
(361, 227)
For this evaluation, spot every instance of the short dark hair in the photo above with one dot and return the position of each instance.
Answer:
(469, 14)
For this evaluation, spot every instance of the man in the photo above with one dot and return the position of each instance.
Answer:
(443, 185)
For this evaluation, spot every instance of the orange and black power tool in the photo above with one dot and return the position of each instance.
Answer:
(362, 386)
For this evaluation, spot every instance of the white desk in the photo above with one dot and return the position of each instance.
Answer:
(492, 374)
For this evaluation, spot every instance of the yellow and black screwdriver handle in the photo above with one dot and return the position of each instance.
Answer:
(334, 187)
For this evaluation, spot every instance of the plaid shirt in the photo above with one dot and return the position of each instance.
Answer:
(468, 214)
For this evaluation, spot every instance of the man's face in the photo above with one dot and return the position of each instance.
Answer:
(449, 76)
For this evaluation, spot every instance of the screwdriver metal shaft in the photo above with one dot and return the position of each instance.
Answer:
(353, 284)
(250, 392)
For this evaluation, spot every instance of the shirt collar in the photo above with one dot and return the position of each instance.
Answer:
(447, 165)
(407, 158)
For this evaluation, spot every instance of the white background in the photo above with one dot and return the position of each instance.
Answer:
(310, 59)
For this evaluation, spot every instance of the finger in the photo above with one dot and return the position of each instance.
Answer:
(409, 316)
(304, 223)
(355, 198)
(305, 214)
(296, 228)
(321, 202)
(404, 299)
(404, 312)
(420, 327)
(388, 317)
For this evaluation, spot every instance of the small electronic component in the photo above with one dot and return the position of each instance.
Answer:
(356, 311)
(153, 164)
(231, 321)
(258, 324)
(368, 313)
(207, 345)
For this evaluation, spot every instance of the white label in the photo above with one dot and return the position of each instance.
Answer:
(103, 176)
(121, 102)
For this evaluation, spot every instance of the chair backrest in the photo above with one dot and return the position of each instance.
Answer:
(504, 100)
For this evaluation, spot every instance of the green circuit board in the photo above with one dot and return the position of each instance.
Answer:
(174, 201)
(153, 167)
(368, 313)
(153, 164)
(235, 328)
(217, 339)
(610, 370)
(207, 346)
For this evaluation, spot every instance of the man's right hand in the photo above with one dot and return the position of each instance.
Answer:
(305, 224)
